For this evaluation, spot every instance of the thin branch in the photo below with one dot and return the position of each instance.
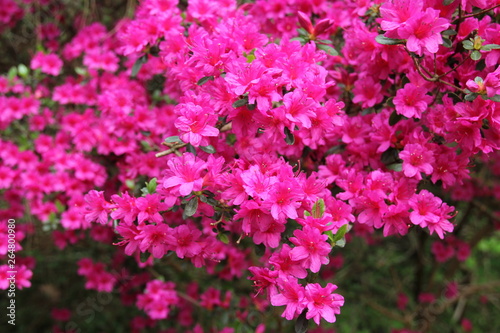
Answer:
(480, 12)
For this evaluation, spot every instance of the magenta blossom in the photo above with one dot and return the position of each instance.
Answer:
(322, 303)
(312, 247)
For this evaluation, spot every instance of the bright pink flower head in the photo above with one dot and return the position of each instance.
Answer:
(125, 208)
(322, 303)
(291, 294)
(149, 208)
(264, 279)
(416, 159)
(411, 101)
(155, 239)
(195, 124)
(284, 199)
(395, 14)
(183, 175)
(423, 31)
(158, 299)
(185, 242)
(312, 247)
(426, 208)
(97, 207)
(283, 263)
(47, 63)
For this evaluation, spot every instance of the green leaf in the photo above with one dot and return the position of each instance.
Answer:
(138, 64)
(208, 149)
(191, 149)
(489, 47)
(223, 238)
(22, 70)
(302, 323)
(81, 71)
(151, 186)
(204, 80)
(340, 233)
(325, 41)
(449, 32)
(60, 207)
(398, 167)
(306, 213)
(486, 124)
(381, 39)
(328, 49)
(146, 145)
(340, 242)
(475, 55)
(468, 45)
(470, 97)
(12, 73)
(394, 118)
(447, 2)
(289, 138)
(447, 42)
(173, 139)
(130, 183)
(302, 32)
(240, 103)
(260, 250)
(191, 206)
(318, 209)
(495, 98)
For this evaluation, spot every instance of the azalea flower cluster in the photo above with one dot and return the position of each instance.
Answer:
(256, 131)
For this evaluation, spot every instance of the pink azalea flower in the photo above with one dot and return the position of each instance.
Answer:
(47, 63)
(290, 294)
(97, 207)
(195, 124)
(411, 101)
(322, 303)
(149, 208)
(186, 241)
(416, 159)
(284, 200)
(311, 247)
(264, 280)
(124, 208)
(183, 175)
(426, 208)
(423, 31)
(395, 220)
(155, 239)
(283, 263)
(129, 234)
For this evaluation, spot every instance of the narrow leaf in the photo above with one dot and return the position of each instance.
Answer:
(381, 39)
(208, 149)
(240, 103)
(204, 80)
(173, 139)
(340, 233)
(191, 207)
(223, 238)
(289, 138)
(489, 47)
(470, 97)
(138, 64)
(302, 324)
(394, 118)
(328, 49)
